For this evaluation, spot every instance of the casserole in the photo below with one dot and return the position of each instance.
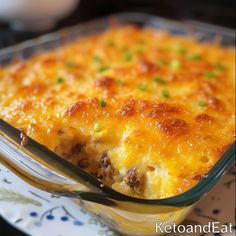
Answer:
(124, 213)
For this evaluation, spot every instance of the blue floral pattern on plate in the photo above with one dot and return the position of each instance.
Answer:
(42, 214)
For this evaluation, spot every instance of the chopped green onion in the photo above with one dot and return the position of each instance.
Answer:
(59, 80)
(158, 79)
(210, 74)
(102, 103)
(219, 66)
(142, 87)
(70, 64)
(165, 93)
(201, 103)
(162, 61)
(128, 56)
(120, 82)
(96, 59)
(103, 68)
(180, 49)
(97, 127)
(195, 57)
(175, 64)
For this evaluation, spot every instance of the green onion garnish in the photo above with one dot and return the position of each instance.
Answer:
(59, 80)
(103, 68)
(102, 103)
(162, 61)
(201, 103)
(175, 64)
(180, 49)
(97, 127)
(195, 57)
(142, 87)
(165, 93)
(120, 82)
(210, 74)
(70, 64)
(96, 59)
(128, 56)
(219, 66)
(158, 79)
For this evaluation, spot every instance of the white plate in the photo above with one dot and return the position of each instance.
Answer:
(42, 214)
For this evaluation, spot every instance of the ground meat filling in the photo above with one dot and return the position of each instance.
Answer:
(81, 158)
(80, 154)
(76, 149)
(135, 180)
(106, 170)
(74, 154)
(83, 163)
(24, 138)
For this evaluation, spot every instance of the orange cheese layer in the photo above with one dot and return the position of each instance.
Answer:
(151, 100)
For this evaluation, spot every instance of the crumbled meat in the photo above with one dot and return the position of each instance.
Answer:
(76, 149)
(83, 163)
(24, 138)
(134, 179)
(106, 169)
(60, 132)
(77, 153)
(105, 161)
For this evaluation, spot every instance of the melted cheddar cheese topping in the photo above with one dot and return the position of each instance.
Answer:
(147, 112)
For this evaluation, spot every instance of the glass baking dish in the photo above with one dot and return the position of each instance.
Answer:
(44, 169)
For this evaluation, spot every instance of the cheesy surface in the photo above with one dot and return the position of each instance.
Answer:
(147, 112)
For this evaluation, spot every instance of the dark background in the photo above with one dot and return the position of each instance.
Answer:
(220, 12)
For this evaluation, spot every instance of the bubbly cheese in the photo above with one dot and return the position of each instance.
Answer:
(146, 111)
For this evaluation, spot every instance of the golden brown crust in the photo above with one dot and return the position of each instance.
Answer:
(173, 126)
(204, 118)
